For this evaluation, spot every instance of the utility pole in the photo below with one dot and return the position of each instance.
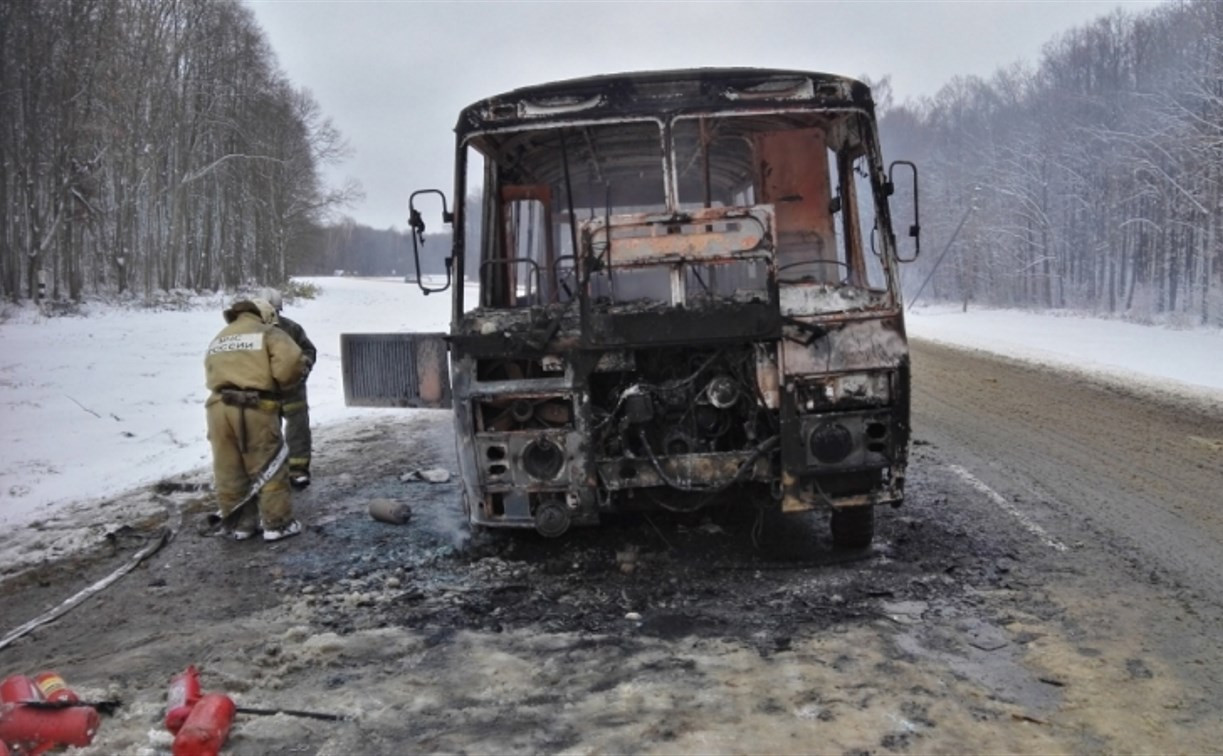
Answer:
(972, 206)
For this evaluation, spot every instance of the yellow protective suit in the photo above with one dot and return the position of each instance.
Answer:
(247, 366)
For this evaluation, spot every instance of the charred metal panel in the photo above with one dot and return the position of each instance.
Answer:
(529, 460)
(521, 429)
(521, 387)
(819, 299)
(687, 469)
(793, 451)
(810, 497)
(847, 440)
(846, 391)
(753, 321)
(848, 346)
(515, 411)
(522, 333)
(615, 361)
(695, 247)
(702, 235)
(768, 377)
(646, 93)
(395, 370)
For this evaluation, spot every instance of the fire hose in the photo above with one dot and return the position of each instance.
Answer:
(159, 539)
(262, 479)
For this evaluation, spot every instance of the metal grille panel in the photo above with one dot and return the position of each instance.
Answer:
(395, 370)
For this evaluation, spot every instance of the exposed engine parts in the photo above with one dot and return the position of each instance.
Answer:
(680, 402)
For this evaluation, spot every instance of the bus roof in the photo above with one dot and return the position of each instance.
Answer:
(643, 93)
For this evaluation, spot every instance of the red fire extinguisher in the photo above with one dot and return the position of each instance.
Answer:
(31, 730)
(206, 728)
(182, 697)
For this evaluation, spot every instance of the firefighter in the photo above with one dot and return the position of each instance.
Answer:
(296, 408)
(246, 368)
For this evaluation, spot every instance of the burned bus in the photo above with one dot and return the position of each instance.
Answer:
(672, 290)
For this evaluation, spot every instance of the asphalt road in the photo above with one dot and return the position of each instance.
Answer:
(1121, 488)
(1144, 468)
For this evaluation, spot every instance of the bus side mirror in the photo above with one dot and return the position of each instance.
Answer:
(416, 226)
(906, 250)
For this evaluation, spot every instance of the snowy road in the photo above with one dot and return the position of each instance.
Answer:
(1146, 468)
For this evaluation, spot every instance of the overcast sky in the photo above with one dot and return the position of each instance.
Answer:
(392, 75)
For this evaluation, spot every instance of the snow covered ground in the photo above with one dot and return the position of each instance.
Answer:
(96, 405)
(1180, 361)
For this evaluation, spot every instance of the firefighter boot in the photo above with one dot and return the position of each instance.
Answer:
(299, 478)
(291, 528)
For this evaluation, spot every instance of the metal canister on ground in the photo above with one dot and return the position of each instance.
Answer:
(19, 689)
(32, 731)
(390, 511)
(206, 728)
(181, 698)
(53, 688)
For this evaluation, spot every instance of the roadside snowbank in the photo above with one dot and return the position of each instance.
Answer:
(1172, 360)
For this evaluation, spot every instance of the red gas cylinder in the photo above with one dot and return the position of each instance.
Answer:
(53, 688)
(206, 727)
(32, 731)
(19, 688)
(181, 698)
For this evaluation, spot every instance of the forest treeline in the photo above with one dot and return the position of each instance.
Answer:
(1092, 180)
(357, 249)
(151, 145)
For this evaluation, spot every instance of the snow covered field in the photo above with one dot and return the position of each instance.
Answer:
(93, 406)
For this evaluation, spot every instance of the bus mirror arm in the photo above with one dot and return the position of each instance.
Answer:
(416, 224)
(915, 226)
